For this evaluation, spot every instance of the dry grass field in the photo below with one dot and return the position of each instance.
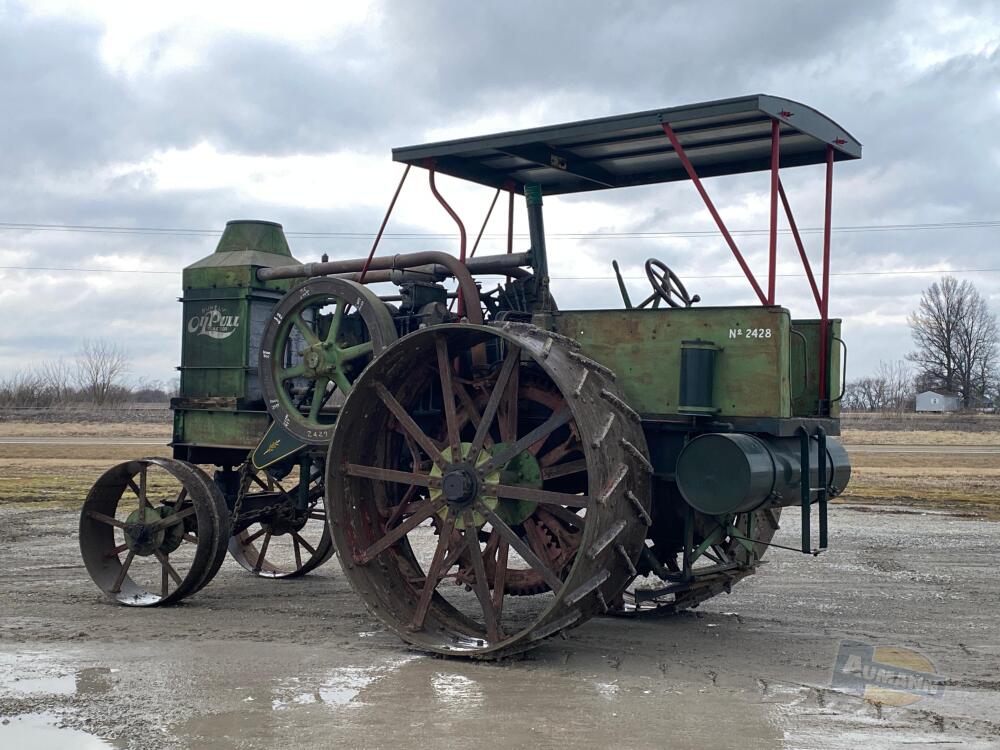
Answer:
(61, 474)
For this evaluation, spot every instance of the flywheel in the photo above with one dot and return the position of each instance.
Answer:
(320, 336)
(444, 483)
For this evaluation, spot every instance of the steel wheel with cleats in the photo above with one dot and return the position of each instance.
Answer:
(288, 541)
(320, 337)
(724, 552)
(153, 531)
(434, 513)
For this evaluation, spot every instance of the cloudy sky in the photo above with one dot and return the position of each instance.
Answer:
(183, 115)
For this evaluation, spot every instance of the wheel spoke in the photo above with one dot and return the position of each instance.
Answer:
(338, 315)
(508, 412)
(566, 515)
(305, 330)
(341, 381)
(133, 486)
(292, 372)
(562, 470)
(103, 518)
(190, 538)
(298, 551)
(263, 553)
(391, 475)
(116, 551)
(123, 572)
(181, 497)
(500, 574)
(353, 352)
(411, 427)
(299, 540)
(545, 497)
(319, 397)
(509, 363)
(481, 587)
(254, 536)
(426, 510)
(433, 574)
(546, 428)
(167, 567)
(143, 500)
(173, 518)
(522, 549)
(448, 397)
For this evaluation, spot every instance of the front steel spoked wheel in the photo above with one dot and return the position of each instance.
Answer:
(291, 537)
(723, 551)
(476, 522)
(151, 531)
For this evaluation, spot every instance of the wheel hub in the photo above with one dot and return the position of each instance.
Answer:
(140, 536)
(460, 485)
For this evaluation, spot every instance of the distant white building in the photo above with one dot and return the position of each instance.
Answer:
(938, 401)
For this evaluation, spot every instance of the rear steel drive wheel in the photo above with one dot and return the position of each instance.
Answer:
(444, 484)
(153, 531)
(726, 550)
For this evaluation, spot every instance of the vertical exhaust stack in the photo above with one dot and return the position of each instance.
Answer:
(225, 310)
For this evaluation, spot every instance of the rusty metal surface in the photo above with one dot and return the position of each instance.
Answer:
(372, 536)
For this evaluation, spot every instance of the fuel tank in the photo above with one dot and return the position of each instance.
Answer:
(724, 473)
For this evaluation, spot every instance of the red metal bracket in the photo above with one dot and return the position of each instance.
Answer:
(385, 220)
(461, 229)
(693, 175)
(825, 296)
(773, 243)
(798, 243)
(482, 229)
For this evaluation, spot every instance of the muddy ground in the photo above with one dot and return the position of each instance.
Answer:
(250, 663)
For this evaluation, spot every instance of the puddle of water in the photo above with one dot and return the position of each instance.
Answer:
(42, 732)
(456, 691)
(339, 687)
(49, 684)
(35, 674)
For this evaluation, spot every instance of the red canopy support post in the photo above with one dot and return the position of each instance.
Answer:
(482, 229)
(461, 230)
(824, 313)
(798, 243)
(693, 176)
(772, 258)
(385, 220)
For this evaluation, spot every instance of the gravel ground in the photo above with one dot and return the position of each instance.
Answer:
(250, 663)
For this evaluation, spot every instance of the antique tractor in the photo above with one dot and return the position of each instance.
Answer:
(491, 469)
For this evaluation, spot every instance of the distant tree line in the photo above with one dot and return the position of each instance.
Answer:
(956, 337)
(96, 376)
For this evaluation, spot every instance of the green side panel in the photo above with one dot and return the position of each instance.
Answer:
(220, 428)
(804, 362)
(214, 347)
(644, 348)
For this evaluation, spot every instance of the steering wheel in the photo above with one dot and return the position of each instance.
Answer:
(666, 285)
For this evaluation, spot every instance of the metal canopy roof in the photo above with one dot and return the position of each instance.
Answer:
(728, 136)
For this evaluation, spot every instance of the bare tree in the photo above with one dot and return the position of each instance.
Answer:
(100, 366)
(889, 389)
(57, 378)
(956, 337)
